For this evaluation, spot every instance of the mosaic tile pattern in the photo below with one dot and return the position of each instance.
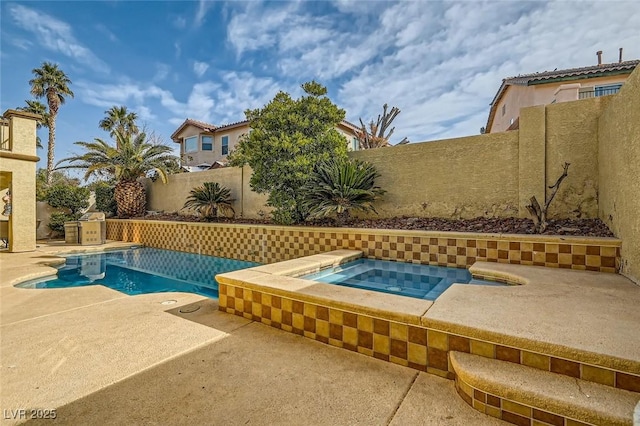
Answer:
(269, 244)
(380, 338)
(510, 411)
(421, 348)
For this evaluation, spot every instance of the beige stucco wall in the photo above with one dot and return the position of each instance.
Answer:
(195, 157)
(572, 136)
(619, 171)
(170, 197)
(18, 172)
(516, 97)
(455, 178)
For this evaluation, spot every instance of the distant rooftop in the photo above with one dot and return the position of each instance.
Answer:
(545, 76)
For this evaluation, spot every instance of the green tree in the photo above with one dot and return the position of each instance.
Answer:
(288, 138)
(339, 186)
(131, 159)
(37, 107)
(105, 196)
(70, 198)
(209, 199)
(118, 119)
(51, 82)
(57, 178)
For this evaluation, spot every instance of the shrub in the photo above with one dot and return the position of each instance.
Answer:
(68, 197)
(57, 220)
(339, 186)
(209, 199)
(105, 200)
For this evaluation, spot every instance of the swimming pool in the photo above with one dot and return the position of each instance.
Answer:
(406, 279)
(143, 270)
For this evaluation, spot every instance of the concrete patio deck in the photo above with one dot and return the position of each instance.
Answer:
(99, 356)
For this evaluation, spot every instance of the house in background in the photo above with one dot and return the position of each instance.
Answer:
(204, 145)
(555, 86)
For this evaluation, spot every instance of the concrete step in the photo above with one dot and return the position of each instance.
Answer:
(527, 396)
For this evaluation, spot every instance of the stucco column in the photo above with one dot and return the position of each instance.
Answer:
(531, 157)
(19, 163)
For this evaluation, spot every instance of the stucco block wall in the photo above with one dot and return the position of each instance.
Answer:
(18, 172)
(572, 136)
(460, 178)
(619, 172)
(170, 197)
(531, 157)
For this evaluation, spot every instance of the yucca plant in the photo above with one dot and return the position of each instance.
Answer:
(340, 186)
(209, 199)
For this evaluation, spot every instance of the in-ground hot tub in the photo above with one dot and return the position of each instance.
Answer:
(405, 279)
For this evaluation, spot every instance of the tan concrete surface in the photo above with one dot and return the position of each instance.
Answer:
(434, 401)
(558, 311)
(259, 375)
(101, 357)
(588, 402)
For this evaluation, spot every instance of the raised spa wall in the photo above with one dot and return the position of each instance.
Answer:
(397, 329)
(270, 244)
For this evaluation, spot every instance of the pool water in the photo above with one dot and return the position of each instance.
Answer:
(406, 279)
(143, 270)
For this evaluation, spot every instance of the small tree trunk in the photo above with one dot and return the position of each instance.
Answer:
(539, 214)
(342, 217)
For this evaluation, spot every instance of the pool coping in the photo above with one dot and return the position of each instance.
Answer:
(249, 293)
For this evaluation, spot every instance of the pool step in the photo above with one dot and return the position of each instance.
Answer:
(527, 396)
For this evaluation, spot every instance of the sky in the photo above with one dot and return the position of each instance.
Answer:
(441, 63)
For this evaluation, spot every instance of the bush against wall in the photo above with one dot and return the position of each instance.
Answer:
(105, 199)
(70, 199)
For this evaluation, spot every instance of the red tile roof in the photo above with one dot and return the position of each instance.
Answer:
(207, 127)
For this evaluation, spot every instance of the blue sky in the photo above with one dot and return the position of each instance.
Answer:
(441, 63)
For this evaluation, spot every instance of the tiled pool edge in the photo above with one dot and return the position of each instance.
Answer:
(271, 243)
(403, 338)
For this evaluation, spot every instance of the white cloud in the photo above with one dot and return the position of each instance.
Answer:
(55, 35)
(162, 72)
(200, 68)
(104, 30)
(201, 13)
(448, 59)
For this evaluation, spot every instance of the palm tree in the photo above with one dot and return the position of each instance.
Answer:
(340, 186)
(120, 120)
(132, 158)
(37, 107)
(210, 198)
(51, 82)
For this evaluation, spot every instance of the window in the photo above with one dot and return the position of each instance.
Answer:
(354, 144)
(225, 145)
(609, 89)
(207, 143)
(504, 109)
(191, 144)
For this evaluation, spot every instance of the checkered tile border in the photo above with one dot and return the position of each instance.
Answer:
(417, 347)
(269, 244)
(510, 411)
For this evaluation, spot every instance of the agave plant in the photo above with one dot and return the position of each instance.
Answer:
(340, 186)
(209, 199)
